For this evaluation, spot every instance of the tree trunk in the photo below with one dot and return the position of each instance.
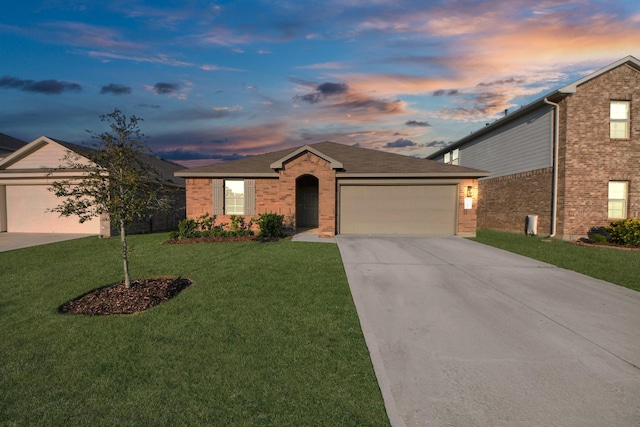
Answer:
(125, 256)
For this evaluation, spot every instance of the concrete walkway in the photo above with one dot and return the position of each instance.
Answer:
(462, 334)
(11, 241)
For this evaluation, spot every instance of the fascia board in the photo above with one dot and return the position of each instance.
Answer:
(187, 174)
(478, 174)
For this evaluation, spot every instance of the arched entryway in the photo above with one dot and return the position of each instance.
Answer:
(307, 202)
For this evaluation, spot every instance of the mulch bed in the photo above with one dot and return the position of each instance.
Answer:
(586, 242)
(117, 299)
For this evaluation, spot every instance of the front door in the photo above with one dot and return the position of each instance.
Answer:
(307, 201)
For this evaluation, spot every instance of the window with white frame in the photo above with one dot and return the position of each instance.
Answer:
(619, 119)
(234, 197)
(618, 195)
(452, 157)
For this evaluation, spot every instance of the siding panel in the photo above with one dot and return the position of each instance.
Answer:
(48, 156)
(521, 146)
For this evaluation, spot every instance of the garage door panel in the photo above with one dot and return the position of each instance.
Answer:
(27, 207)
(393, 209)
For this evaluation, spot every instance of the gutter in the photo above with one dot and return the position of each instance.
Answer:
(556, 138)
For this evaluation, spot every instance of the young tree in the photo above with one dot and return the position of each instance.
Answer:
(119, 182)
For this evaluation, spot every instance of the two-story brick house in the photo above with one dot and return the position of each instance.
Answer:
(571, 157)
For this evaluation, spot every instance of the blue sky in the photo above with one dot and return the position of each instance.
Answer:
(218, 80)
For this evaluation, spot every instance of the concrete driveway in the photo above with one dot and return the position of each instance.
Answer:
(11, 241)
(462, 334)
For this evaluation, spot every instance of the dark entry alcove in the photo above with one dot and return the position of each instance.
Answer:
(307, 201)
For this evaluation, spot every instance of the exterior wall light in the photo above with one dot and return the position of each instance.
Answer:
(469, 191)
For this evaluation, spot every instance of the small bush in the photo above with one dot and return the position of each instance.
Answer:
(625, 232)
(188, 228)
(270, 224)
(599, 235)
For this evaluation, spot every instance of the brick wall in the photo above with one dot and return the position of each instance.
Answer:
(310, 164)
(276, 194)
(590, 159)
(199, 197)
(505, 202)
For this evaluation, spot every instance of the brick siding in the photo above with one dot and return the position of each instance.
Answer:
(505, 202)
(590, 159)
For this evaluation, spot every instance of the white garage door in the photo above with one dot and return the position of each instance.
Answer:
(398, 209)
(27, 212)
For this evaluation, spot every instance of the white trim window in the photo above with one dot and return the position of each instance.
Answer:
(234, 197)
(618, 197)
(619, 119)
(452, 157)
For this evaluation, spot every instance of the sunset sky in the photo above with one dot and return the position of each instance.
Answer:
(219, 80)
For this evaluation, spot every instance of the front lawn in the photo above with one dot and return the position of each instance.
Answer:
(613, 265)
(266, 335)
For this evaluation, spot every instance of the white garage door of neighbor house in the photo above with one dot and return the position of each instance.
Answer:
(398, 209)
(27, 212)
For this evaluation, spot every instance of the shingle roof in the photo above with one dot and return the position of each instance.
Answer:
(356, 161)
(9, 144)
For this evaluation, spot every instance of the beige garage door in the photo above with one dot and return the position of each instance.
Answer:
(27, 212)
(398, 209)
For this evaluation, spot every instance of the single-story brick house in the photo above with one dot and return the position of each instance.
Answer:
(571, 158)
(27, 173)
(339, 189)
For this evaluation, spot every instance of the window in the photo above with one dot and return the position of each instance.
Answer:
(618, 192)
(234, 197)
(619, 119)
(451, 157)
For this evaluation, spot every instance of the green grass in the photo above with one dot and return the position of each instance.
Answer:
(267, 335)
(615, 266)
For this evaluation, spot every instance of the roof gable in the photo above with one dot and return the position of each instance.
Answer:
(48, 153)
(279, 164)
(41, 153)
(628, 60)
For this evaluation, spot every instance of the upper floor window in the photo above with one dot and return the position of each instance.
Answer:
(619, 119)
(618, 195)
(452, 157)
(234, 197)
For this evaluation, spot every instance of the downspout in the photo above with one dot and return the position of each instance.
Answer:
(556, 138)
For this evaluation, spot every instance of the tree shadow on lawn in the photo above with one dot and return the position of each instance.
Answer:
(117, 299)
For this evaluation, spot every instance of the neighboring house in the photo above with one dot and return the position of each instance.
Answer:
(26, 175)
(339, 189)
(9, 144)
(572, 157)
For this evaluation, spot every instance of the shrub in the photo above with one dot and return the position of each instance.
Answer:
(270, 224)
(206, 222)
(599, 235)
(625, 232)
(188, 228)
(204, 226)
